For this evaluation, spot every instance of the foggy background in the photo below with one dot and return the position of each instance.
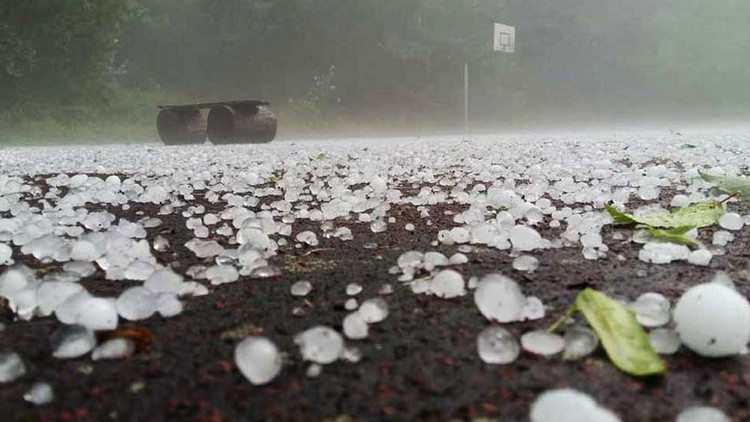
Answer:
(86, 68)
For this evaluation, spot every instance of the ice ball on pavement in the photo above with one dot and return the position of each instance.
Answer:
(97, 314)
(353, 289)
(116, 348)
(355, 327)
(39, 394)
(700, 257)
(731, 221)
(579, 343)
(526, 263)
(51, 294)
(499, 298)
(258, 359)
(374, 310)
(308, 238)
(702, 414)
(567, 405)
(496, 345)
(72, 341)
(533, 309)
(11, 367)
(525, 238)
(541, 342)
(14, 279)
(301, 288)
(136, 303)
(222, 274)
(664, 341)
(168, 305)
(713, 320)
(651, 309)
(5, 253)
(320, 344)
(448, 284)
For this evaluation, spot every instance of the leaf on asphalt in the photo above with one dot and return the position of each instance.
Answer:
(624, 340)
(738, 185)
(702, 214)
(676, 235)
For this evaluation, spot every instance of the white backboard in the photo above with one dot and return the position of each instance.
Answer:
(505, 38)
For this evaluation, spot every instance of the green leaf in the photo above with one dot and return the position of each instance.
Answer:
(738, 185)
(676, 235)
(702, 214)
(624, 340)
(319, 157)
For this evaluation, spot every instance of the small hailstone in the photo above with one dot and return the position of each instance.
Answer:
(369, 245)
(525, 238)
(11, 367)
(651, 309)
(258, 359)
(136, 303)
(374, 310)
(51, 294)
(565, 405)
(731, 221)
(221, 274)
(301, 288)
(664, 341)
(385, 289)
(472, 283)
(72, 341)
(499, 298)
(5, 254)
(579, 343)
(308, 238)
(351, 304)
(533, 309)
(458, 259)
(459, 235)
(410, 259)
(496, 345)
(320, 344)
(39, 394)
(702, 414)
(161, 244)
(168, 305)
(353, 289)
(541, 342)
(700, 257)
(116, 348)
(352, 354)
(355, 327)
(713, 320)
(80, 268)
(721, 238)
(15, 279)
(314, 370)
(163, 281)
(409, 227)
(97, 313)
(266, 271)
(378, 226)
(448, 284)
(433, 260)
(525, 263)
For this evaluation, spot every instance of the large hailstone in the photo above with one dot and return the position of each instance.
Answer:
(320, 344)
(713, 320)
(567, 405)
(258, 360)
(499, 298)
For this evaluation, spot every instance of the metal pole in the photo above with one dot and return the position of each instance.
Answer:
(466, 98)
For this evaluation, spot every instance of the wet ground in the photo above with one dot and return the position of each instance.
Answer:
(420, 363)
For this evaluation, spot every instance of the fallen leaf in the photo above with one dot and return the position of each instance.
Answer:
(702, 214)
(737, 185)
(676, 235)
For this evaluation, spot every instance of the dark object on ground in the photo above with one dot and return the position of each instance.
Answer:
(247, 121)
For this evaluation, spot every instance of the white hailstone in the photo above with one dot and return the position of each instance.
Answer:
(221, 274)
(410, 260)
(472, 283)
(702, 414)
(211, 219)
(458, 259)
(164, 281)
(591, 240)
(83, 250)
(459, 235)
(680, 201)
(713, 320)
(651, 309)
(355, 327)
(525, 238)
(24, 302)
(97, 313)
(663, 253)
(320, 344)
(11, 367)
(66, 311)
(168, 305)
(343, 233)
(533, 309)
(565, 405)
(378, 226)
(301, 288)
(161, 244)
(374, 310)
(51, 294)
(5, 254)
(80, 268)
(139, 270)
(72, 341)
(499, 298)
(116, 348)
(378, 184)
(579, 343)
(15, 279)
(664, 341)
(307, 237)
(433, 260)
(258, 359)
(351, 304)
(39, 394)
(496, 345)
(648, 192)
(722, 238)
(204, 248)
(266, 271)
(541, 342)
(448, 284)
(136, 303)
(526, 263)
(314, 370)
(731, 221)
(353, 289)
(409, 227)
(700, 257)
